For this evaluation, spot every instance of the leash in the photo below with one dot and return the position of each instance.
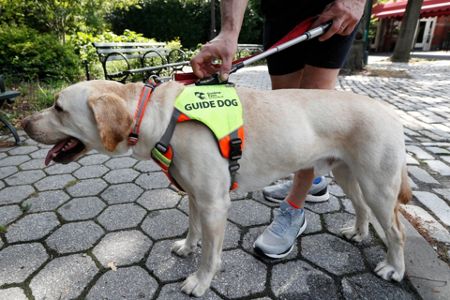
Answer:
(298, 34)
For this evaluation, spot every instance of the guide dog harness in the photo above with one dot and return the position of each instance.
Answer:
(216, 106)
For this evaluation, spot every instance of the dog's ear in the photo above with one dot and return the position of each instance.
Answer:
(112, 117)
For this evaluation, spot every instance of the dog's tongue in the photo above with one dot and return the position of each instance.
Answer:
(54, 151)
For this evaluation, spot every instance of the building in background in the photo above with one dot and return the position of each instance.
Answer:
(433, 27)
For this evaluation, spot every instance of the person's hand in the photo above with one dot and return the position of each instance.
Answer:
(221, 49)
(345, 15)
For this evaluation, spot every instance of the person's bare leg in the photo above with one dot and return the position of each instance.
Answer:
(308, 78)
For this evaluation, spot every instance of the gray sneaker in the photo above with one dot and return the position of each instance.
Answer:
(317, 193)
(279, 237)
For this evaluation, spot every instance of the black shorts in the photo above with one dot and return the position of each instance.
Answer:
(329, 54)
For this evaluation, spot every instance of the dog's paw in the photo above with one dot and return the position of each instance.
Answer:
(389, 272)
(353, 234)
(181, 248)
(194, 286)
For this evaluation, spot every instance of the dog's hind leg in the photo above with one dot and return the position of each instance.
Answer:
(381, 197)
(349, 184)
(186, 246)
(213, 218)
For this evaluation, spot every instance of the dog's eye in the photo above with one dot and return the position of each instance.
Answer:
(58, 108)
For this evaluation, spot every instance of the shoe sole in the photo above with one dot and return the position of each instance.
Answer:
(286, 253)
(309, 198)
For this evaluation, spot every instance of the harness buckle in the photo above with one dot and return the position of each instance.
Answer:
(133, 139)
(161, 148)
(235, 149)
(233, 167)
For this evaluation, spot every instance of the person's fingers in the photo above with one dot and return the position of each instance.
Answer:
(349, 28)
(225, 67)
(196, 64)
(334, 28)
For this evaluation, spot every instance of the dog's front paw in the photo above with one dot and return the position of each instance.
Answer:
(389, 272)
(194, 286)
(353, 234)
(182, 248)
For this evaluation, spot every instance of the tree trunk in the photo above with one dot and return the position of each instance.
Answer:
(356, 58)
(407, 29)
(212, 33)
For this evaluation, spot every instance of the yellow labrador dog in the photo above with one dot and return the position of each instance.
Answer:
(356, 137)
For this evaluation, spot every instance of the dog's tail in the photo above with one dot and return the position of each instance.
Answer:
(405, 194)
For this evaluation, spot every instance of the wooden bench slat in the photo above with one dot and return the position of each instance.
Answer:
(128, 44)
(130, 50)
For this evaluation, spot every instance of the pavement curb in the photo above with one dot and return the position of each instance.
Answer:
(429, 275)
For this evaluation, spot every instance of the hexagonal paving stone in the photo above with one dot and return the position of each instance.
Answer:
(34, 164)
(313, 222)
(14, 160)
(55, 182)
(251, 236)
(22, 150)
(165, 223)
(121, 176)
(374, 255)
(94, 159)
(158, 199)
(336, 190)
(242, 275)
(121, 162)
(122, 248)
(336, 221)
(147, 166)
(13, 294)
(6, 171)
(299, 280)
(62, 168)
(167, 266)
(348, 206)
(125, 283)
(15, 194)
(25, 177)
(155, 180)
(87, 187)
(121, 193)
(249, 212)
(324, 207)
(9, 213)
(81, 208)
(63, 277)
(122, 216)
(331, 253)
(369, 286)
(90, 171)
(45, 201)
(32, 227)
(74, 237)
(42, 153)
(232, 236)
(173, 291)
(17, 262)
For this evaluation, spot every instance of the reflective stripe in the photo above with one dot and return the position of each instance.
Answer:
(161, 158)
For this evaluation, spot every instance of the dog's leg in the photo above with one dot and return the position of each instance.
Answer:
(186, 246)
(382, 199)
(349, 184)
(213, 218)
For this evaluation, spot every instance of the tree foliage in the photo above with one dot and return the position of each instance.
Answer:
(61, 17)
(187, 20)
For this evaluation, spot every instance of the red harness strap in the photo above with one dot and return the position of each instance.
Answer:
(144, 99)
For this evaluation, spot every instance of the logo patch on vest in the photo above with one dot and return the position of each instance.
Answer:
(217, 106)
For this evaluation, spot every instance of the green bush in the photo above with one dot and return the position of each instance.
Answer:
(26, 54)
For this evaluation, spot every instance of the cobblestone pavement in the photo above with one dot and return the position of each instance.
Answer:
(102, 227)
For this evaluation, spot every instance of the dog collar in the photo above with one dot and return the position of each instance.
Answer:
(144, 99)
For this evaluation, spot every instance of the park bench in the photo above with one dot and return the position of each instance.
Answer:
(122, 60)
(248, 49)
(8, 97)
